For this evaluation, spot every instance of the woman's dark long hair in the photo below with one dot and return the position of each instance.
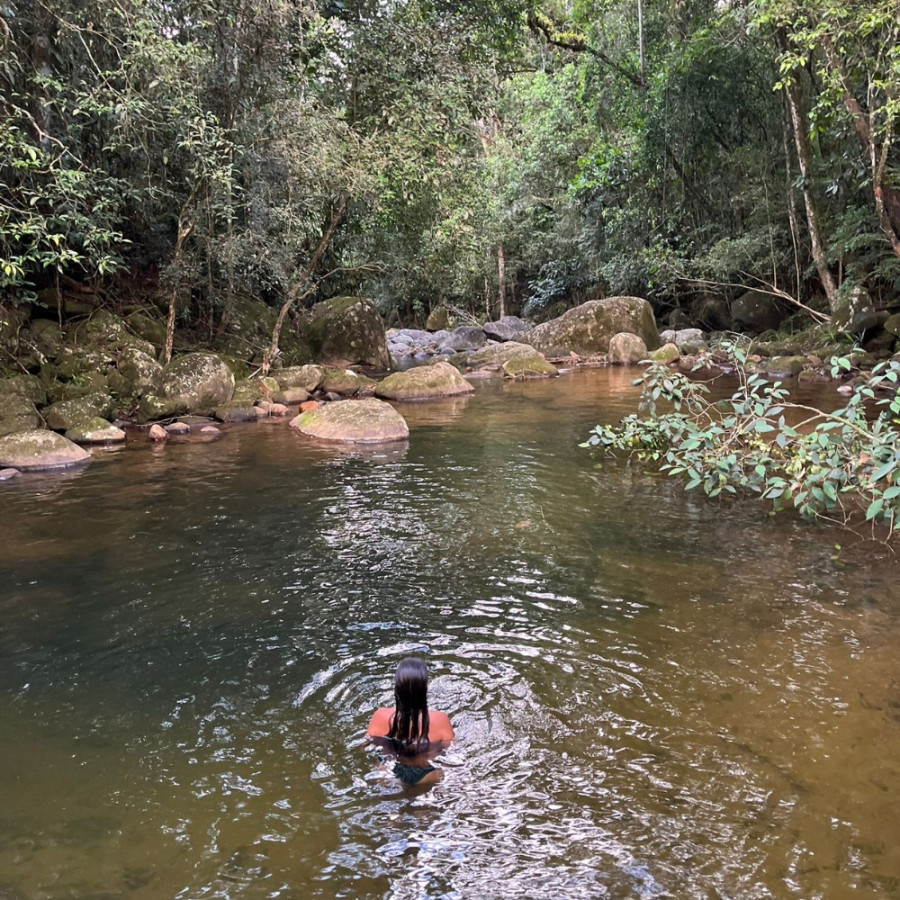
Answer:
(409, 727)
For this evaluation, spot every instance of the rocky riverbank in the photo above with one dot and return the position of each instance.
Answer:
(100, 379)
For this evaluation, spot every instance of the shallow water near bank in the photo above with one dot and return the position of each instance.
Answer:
(654, 695)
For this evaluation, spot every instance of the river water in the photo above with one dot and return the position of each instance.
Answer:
(654, 695)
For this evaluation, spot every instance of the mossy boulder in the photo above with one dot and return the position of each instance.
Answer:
(666, 354)
(626, 349)
(148, 328)
(40, 450)
(17, 413)
(368, 421)
(756, 312)
(588, 329)
(345, 382)
(438, 319)
(67, 414)
(95, 431)
(533, 366)
(306, 377)
(198, 383)
(347, 329)
(423, 383)
(137, 373)
(29, 386)
(493, 356)
(48, 338)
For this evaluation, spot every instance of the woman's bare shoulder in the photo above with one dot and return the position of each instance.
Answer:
(439, 726)
(380, 723)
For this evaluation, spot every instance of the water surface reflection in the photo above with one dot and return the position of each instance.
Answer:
(653, 695)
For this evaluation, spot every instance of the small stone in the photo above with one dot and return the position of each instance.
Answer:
(262, 411)
(9, 474)
(178, 428)
(157, 433)
(210, 431)
(95, 431)
(279, 409)
(309, 405)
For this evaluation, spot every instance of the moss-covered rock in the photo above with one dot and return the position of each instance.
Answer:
(534, 366)
(148, 328)
(29, 386)
(345, 382)
(306, 377)
(626, 349)
(368, 421)
(425, 382)
(67, 414)
(136, 374)
(348, 329)
(666, 354)
(757, 312)
(785, 366)
(95, 431)
(438, 319)
(197, 383)
(39, 450)
(17, 413)
(493, 356)
(587, 329)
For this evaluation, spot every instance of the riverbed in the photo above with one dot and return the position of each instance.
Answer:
(655, 695)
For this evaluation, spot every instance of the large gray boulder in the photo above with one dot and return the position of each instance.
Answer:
(587, 329)
(424, 383)
(38, 450)
(509, 328)
(368, 421)
(466, 337)
(196, 383)
(347, 329)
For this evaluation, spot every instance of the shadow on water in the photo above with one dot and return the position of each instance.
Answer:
(654, 695)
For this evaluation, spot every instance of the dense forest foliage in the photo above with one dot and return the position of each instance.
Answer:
(493, 155)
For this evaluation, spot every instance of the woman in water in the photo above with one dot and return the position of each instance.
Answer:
(410, 731)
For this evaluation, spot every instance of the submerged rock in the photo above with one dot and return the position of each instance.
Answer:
(626, 349)
(588, 329)
(40, 450)
(425, 382)
(368, 421)
(9, 474)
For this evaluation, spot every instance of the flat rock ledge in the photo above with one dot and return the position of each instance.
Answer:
(9, 474)
(367, 421)
(424, 383)
(30, 451)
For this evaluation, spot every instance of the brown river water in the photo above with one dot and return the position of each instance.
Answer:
(655, 695)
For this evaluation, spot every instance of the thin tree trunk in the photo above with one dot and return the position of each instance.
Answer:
(797, 109)
(501, 279)
(640, 14)
(791, 209)
(887, 199)
(184, 229)
(272, 349)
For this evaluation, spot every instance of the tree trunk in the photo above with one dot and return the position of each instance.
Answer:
(797, 109)
(887, 199)
(294, 293)
(501, 280)
(184, 229)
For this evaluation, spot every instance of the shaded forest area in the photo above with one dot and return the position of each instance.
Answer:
(493, 156)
